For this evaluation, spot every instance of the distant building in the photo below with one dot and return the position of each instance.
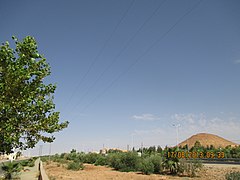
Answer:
(106, 150)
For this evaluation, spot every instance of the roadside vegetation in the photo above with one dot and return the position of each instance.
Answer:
(13, 169)
(147, 163)
(151, 160)
(233, 176)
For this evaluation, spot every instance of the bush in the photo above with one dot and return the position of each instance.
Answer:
(101, 161)
(71, 156)
(24, 162)
(171, 165)
(44, 158)
(81, 157)
(157, 162)
(114, 161)
(189, 168)
(91, 158)
(63, 155)
(31, 162)
(147, 167)
(11, 169)
(75, 166)
(28, 162)
(129, 161)
(233, 176)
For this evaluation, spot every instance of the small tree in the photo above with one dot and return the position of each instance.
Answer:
(197, 144)
(26, 103)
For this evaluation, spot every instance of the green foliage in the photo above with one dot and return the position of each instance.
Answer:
(26, 109)
(159, 149)
(91, 158)
(73, 151)
(71, 156)
(157, 163)
(233, 176)
(114, 161)
(11, 169)
(101, 161)
(124, 161)
(146, 166)
(189, 168)
(171, 165)
(154, 160)
(24, 162)
(28, 162)
(31, 162)
(75, 166)
(197, 144)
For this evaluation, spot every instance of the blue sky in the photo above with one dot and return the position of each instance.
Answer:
(127, 70)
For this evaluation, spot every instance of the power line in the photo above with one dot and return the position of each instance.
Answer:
(145, 52)
(99, 53)
(121, 51)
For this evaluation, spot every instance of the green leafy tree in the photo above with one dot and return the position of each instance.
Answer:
(26, 103)
(159, 149)
(197, 144)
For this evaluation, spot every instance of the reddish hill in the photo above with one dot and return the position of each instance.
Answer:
(207, 139)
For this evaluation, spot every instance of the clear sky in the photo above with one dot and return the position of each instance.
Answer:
(126, 71)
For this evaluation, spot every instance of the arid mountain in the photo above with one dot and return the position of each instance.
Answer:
(207, 139)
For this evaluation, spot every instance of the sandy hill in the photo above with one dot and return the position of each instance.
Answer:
(207, 139)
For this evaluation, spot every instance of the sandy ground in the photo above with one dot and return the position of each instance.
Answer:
(91, 172)
(217, 171)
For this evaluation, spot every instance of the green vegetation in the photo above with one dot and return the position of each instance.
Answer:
(152, 160)
(233, 176)
(28, 162)
(129, 161)
(101, 161)
(11, 169)
(148, 163)
(146, 166)
(75, 166)
(26, 109)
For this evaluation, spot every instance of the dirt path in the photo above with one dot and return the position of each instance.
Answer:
(91, 172)
(217, 171)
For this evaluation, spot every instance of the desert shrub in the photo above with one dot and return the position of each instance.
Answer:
(71, 156)
(194, 167)
(24, 162)
(28, 162)
(157, 162)
(75, 166)
(171, 165)
(129, 161)
(189, 168)
(101, 161)
(52, 178)
(233, 176)
(63, 155)
(114, 161)
(31, 162)
(56, 156)
(62, 161)
(44, 158)
(146, 166)
(91, 158)
(81, 156)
